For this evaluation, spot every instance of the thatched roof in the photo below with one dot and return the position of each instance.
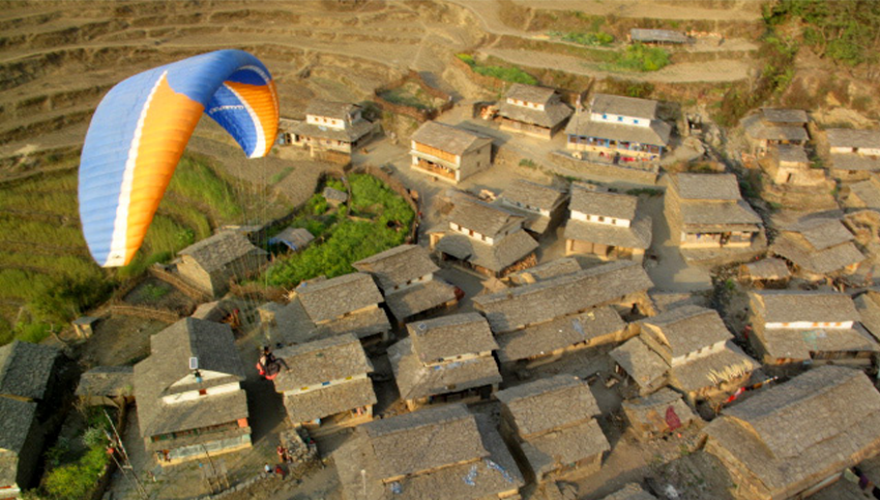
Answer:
(533, 195)
(451, 336)
(848, 138)
(854, 162)
(796, 248)
(26, 368)
(326, 360)
(558, 334)
(548, 404)
(545, 271)
(789, 306)
(333, 399)
(797, 433)
(449, 139)
(639, 361)
(416, 380)
(759, 129)
(17, 417)
(167, 372)
(360, 468)
(563, 447)
(329, 109)
(651, 410)
(767, 269)
(614, 205)
(687, 329)
(108, 381)
(397, 265)
(221, 249)
(657, 134)
(557, 297)
(419, 298)
(481, 217)
(778, 115)
(637, 235)
(331, 299)
(709, 371)
(624, 106)
(650, 36)
(631, 491)
(554, 112)
(496, 257)
(706, 186)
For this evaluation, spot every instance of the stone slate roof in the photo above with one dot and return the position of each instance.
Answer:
(17, 417)
(450, 336)
(854, 162)
(26, 368)
(213, 344)
(776, 115)
(869, 310)
(416, 380)
(558, 334)
(545, 271)
(481, 217)
(329, 401)
(397, 265)
(733, 216)
(549, 404)
(758, 129)
(109, 381)
(533, 195)
(710, 370)
(324, 360)
(651, 410)
(618, 206)
(822, 233)
(707, 187)
(351, 133)
(648, 36)
(563, 447)
(631, 491)
(657, 134)
(868, 193)
(331, 299)
(419, 298)
(554, 112)
(639, 361)
(789, 306)
(293, 323)
(789, 153)
(361, 325)
(217, 251)
(786, 343)
(816, 424)
(329, 109)
(335, 194)
(769, 268)
(510, 250)
(553, 298)
(847, 138)
(624, 106)
(489, 475)
(797, 249)
(637, 235)
(296, 238)
(449, 139)
(688, 328)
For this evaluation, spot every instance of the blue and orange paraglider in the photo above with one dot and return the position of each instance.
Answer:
(139, 132)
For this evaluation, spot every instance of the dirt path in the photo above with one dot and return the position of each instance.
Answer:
(644, 9)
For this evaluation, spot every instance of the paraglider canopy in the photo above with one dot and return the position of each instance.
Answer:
(140, 129)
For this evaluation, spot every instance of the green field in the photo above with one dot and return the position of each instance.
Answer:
(46, 273)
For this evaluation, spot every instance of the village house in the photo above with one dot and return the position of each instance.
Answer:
(541, 272)
(788, 165)
(406, 276)
(606, 225)
(189, 396)
(327, 386)
(211, 264)
(346, 304)
(550, 426)
(865, 194)
(767, 272)
(630, 491)
(770, 127)
(485, 238)
(107, 386)
(449, 153)
(656, 37)
(287, 324)
(334, 197)
(337, 126)
(445, 359)
(706, 213)
(444, 452)
(538, 323)
(808, 328)
(533, 111)
(793, 439)
(868, 306)
(620, 127)
(294, 238)
(29, 386)
(854, 153)
(542, 206)
(818, 247)
(688, 348)
(657, 415)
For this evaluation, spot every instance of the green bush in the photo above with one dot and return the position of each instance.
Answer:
(77, 480)
(639, 57)
(594, 39)
(316, 205)
(514, 75)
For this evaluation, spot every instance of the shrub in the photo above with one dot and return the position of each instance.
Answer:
(599, 38)
(639, 57)
(77, 480)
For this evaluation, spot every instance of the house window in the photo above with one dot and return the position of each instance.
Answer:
(636, 122)
(620, 118)
(601, 219)
(604, 116)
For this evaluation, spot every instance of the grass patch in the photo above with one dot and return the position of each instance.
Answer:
(639, 57)
(382, 221)
(589, 39)
(507, 74)
(76, 472)
(280, 176)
